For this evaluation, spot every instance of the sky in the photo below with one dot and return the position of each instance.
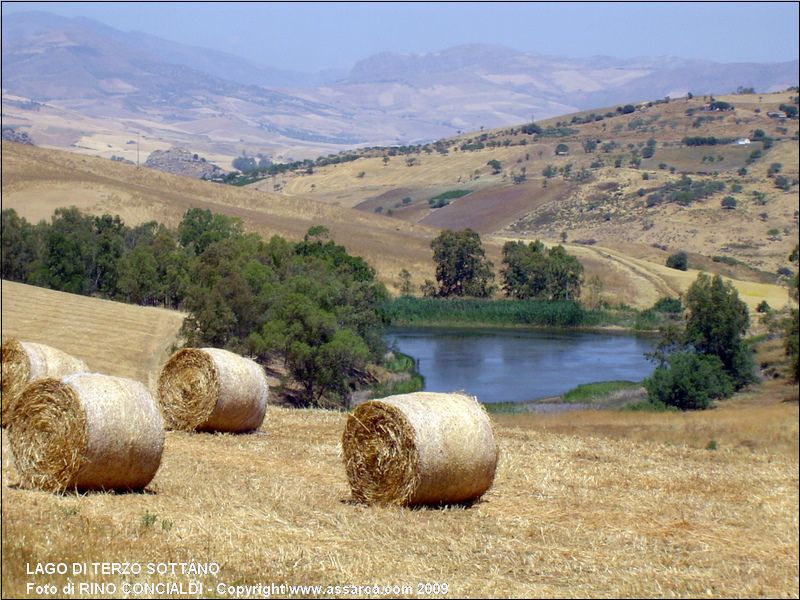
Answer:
(310, 37)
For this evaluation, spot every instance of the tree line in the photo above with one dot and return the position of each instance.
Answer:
(308, 304)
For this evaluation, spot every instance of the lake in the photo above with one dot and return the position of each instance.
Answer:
(512, 365)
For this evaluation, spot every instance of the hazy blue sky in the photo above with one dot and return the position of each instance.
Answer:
(313, 36)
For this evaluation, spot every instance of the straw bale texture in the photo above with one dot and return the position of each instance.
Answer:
(212, 390)
(421, 448)
(23, 362)
(87, 431)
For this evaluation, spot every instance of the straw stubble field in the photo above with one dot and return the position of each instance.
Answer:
(570, 514)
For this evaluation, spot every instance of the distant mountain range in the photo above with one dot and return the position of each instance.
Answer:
(94, 85)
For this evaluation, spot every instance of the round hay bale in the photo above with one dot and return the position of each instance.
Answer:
(421, 448)
(210, 389)
(23, 362)
(87, 431)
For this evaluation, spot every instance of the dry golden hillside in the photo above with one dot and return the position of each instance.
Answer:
(606, 205)
(113, 338)
(37, 181)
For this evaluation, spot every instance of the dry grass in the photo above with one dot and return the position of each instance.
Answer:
(570, 515)
(114, 338)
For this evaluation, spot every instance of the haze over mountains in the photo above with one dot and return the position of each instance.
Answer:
(81, 84)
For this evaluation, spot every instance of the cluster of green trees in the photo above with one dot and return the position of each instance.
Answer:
(710, 358)
(310, 304)
(101, 256)
(530, 272)
(698, 140)
(533, 272)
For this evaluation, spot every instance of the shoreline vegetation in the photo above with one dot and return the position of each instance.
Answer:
(408, 311)
(601, 395)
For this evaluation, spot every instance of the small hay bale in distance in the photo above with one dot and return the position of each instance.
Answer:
(87, 431)
(209, 389)
(24, 362)
(420, 448)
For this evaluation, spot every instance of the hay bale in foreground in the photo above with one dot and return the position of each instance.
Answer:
(87, 431)
(421, 448)
(24, 362)
(212, 390)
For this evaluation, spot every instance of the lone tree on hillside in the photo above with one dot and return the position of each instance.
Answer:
(496, 166)
(461, 265)
(710, 359)
(717, 324)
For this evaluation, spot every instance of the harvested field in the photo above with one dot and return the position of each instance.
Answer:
(574, 511)
(113, 338)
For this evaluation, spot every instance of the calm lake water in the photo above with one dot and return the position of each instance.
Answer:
(505, 365)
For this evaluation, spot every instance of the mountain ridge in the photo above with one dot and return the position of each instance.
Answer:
(102, 86)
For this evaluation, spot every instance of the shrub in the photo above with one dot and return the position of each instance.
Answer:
(763, 307)
(689, 381)
(679, 260)
(668, 305)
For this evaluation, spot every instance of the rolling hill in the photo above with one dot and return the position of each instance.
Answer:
(36, 181)
(113, 338)
(611, 196)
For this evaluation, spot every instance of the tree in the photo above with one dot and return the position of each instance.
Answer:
(717, 323)
(323, 357)
(496, 166)
(689, 381)
(67, 258)
(138, 277)
(564, 275)
(791, 111)
(405, 282)
(728, 202)
(461, 265)
(200, 228)
(532, 271)
(679, 260)
(19, 246)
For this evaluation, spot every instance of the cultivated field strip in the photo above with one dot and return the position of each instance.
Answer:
(111, 337)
